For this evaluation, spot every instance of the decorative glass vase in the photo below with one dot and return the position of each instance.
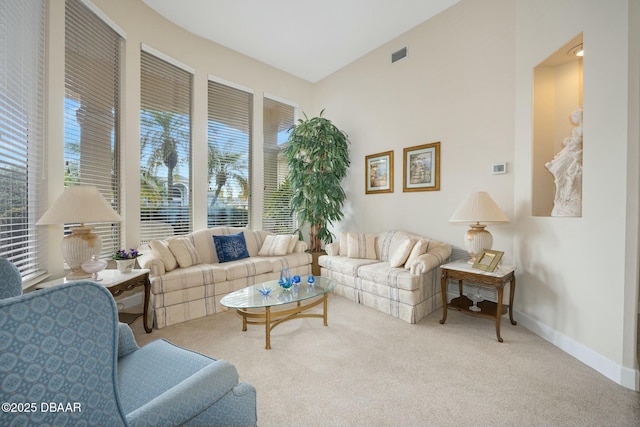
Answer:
(125, 265)
(285, 278)
(94, 266)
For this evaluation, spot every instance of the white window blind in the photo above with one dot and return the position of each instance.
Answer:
(165, 144)
(22, 25)
(278, 118)
(229, 146)
(92, 110)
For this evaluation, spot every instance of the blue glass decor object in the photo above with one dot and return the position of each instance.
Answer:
(311, 280)
(285, 278)
(296, 280)
(265, 290)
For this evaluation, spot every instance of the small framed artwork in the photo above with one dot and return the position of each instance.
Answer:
(488, 260)
(379, 173)
(422, 168)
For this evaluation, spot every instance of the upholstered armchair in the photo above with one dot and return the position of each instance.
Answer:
(10, 279)
(66, 360)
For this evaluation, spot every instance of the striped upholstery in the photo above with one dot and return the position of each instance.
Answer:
(408, 293)
(187, 293)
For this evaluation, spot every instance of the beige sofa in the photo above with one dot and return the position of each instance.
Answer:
(395, 272)
(188, 280)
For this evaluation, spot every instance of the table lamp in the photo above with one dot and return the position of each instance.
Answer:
(80, 204)
(476, 208)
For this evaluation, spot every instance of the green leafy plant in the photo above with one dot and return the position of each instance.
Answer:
(318, 159)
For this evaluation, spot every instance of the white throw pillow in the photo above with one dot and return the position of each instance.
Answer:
(343, 244)
(184, 251)
(401, 254)
(362, 246)
(419, 249)
(275, 245)
(160, 249)
(292, 243)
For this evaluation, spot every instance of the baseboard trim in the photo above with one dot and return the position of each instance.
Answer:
(626, 377)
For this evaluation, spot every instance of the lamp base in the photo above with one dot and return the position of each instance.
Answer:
(476, 240)
(78, 248)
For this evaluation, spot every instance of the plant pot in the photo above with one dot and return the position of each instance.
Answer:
(315, 267)
(125, 265)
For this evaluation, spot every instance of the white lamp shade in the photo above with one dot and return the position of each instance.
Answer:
(478, 207)
(80, 204)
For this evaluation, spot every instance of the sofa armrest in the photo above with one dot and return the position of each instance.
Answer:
(432, 259)
(126, 341)
(150, 261)
(332, 249)
(187, 399)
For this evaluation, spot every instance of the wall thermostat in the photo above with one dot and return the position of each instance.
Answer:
(499, 168)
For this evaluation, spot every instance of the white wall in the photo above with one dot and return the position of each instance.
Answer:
(456, 86)
(576, 273)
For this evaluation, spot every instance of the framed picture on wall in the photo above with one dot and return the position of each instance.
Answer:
(421, 168)
(379, 173)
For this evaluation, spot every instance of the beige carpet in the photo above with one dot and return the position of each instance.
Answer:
(369, 369)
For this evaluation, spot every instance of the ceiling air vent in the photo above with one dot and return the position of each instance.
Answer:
(398, 55)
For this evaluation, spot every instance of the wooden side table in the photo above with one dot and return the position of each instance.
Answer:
(117, 283)
(464, 272)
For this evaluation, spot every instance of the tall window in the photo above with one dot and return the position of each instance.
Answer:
(229, 147)
(22, 24)
(278, 120)
(92, 110)
(165, 144)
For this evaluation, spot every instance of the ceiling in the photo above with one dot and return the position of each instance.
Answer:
(307, 38)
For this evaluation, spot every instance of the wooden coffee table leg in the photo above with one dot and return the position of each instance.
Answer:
(326, 305)
(267, 326)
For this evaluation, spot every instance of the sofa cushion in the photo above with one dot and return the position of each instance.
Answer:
(360, 245)
(247, 267)
(383, 274)
(184, 251)
(418, 249)
(400, 255)
(231, 248)
(183, 278)
(276, 245)
(160, 249)
(345, 265)
(290, 261)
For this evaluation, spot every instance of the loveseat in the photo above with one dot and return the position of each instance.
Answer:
(67, 361)
(190, 273)
(395, 272)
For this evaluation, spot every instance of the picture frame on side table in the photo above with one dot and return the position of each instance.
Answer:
(421, 168)
(488, 260)
(379, 173)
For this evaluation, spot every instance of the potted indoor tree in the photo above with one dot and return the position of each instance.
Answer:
(318, 159)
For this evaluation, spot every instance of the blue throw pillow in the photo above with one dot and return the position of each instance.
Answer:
(231, 248)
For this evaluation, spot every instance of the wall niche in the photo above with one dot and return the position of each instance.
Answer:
(557, 139)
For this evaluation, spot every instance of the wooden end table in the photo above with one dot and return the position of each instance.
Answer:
(117, 283)
(464, 272)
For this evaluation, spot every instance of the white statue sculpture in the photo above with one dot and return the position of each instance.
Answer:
(566, 167)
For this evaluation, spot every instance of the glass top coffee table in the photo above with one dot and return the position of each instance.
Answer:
(256, 308)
